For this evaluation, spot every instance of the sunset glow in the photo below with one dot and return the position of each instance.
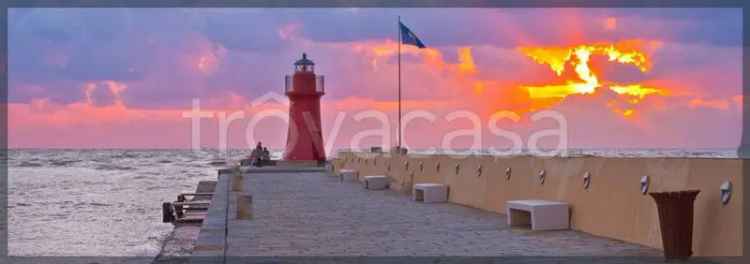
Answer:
(642, 77)
(587, 82)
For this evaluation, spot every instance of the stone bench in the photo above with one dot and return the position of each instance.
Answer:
(376, 182)
(347, 173)
(539, 214)
(430, 192)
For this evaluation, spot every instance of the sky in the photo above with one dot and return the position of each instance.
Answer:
(619, 78)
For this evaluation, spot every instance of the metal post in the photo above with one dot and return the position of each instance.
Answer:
(399, 83)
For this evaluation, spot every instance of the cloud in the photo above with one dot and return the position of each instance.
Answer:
(236, 31)
(146, 63)
(657, 122)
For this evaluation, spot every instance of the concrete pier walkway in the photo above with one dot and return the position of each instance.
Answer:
(310, 213)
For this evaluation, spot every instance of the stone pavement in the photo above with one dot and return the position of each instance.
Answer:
(313, 214)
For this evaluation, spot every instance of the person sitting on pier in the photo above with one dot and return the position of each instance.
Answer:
(266, 154)
(257, 154)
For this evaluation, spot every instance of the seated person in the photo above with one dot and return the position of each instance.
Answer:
(266, 154)
(256, 155)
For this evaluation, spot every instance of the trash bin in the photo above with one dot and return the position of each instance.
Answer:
(676, 222)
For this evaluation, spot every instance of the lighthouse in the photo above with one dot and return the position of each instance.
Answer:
(304, 140)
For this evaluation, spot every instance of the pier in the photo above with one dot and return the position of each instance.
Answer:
(308, 212)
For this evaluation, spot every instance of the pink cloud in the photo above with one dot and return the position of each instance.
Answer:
(361, 75)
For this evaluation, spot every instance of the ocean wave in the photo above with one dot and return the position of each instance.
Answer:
(137, 210)
(218, 163)
(80, 205)
(196, 165)
(29, 164)
(63, 163)
(84, 183)
(113, 167)
(125, 155)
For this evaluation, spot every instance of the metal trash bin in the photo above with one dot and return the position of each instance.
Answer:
(676, 222)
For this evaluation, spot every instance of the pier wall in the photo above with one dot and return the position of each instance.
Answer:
(612, 207)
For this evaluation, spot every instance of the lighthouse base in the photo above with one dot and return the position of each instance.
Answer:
(301, 163)
(284, 163)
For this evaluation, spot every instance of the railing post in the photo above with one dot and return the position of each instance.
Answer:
(288, 83)
(320, 84)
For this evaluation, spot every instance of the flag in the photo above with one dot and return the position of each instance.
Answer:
(408, 37)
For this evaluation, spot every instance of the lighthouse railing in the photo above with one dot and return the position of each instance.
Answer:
(320, 84)
(288, 83)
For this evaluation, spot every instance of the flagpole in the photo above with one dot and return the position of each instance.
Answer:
(399, 82)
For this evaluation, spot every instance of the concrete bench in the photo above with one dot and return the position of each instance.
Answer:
(347, 173)
(539, 214)
(430, 192)
(376, 182)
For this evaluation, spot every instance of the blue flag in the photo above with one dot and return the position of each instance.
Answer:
(408, 37)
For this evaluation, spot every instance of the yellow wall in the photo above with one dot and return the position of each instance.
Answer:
(613, 207)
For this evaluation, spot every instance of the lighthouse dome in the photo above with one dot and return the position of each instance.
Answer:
(304, 64)
(304, 61)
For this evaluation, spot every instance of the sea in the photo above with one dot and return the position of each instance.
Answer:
(100, 202)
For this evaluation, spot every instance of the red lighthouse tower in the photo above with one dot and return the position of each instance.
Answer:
(304, 140)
